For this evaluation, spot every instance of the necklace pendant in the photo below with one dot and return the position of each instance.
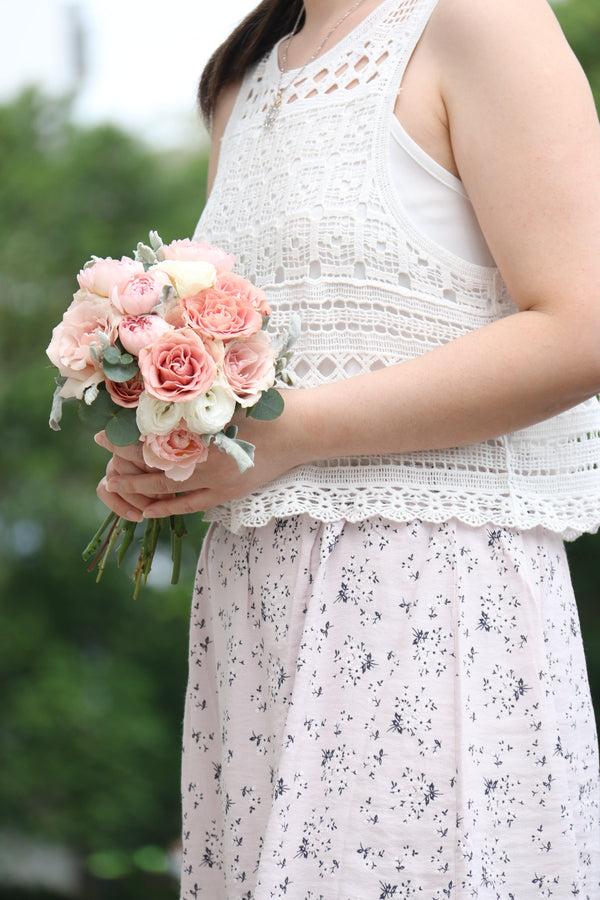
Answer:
(273, 111)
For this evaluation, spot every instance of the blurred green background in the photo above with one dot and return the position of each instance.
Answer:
(93, 681)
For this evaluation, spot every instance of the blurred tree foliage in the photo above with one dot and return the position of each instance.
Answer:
(93, 681)
(580, 20)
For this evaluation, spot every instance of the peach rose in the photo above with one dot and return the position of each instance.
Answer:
(72, 338)
(236, 286)
(137, 332)
(139, 294)
(176, 453)
(177, 366)
(199, 250)
(125, 393)
(102, 275)
(220, 315)
(249, 368)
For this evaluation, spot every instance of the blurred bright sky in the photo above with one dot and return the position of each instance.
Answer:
(142, 59)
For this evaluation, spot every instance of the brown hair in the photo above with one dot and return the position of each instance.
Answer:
(246, 45)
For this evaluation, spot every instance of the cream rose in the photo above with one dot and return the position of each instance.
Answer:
(157, 417)
(210, 412)
(248, 367)
(176, 453)
(188, 276)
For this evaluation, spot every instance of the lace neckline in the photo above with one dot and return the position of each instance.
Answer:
(354, 33)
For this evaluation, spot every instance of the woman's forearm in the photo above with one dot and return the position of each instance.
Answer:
(500, 378)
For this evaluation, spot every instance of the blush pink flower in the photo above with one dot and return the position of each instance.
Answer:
(236, 286)
(72, 338)
(248, 367)
(139, 294)
(126, 393)
(176, 453)
(221, 316)
(201, 251)
(137, 332)
(177, 367)
(104, 274)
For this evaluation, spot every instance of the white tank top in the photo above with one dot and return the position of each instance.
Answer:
(313, 211)
(435, 199)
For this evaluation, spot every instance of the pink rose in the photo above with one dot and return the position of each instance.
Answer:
(236, 286)
(104, 274)
(199, 250)
(140, 293)
(69, 348)
(177, 367)
(220, 315)
(249, 368)
(176, 453)
(137, 332)
(125, 393)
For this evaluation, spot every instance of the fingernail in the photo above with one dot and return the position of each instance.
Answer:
(133, 515)
(112, 484)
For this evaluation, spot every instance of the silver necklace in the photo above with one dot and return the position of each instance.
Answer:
(275, 107)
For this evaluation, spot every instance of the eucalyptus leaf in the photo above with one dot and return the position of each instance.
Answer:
(121, 429)
(112, 355)
(120, 372)
(98, 414)
(269, 407)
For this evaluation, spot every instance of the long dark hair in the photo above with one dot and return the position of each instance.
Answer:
(246, 45)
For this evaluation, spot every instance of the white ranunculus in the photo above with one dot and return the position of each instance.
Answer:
(157, 417)
(188, 277)
(210, 412)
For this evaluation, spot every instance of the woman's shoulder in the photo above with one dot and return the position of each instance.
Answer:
(478, 27)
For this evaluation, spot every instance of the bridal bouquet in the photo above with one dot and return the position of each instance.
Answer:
(163, 349)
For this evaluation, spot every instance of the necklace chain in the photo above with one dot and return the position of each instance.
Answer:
(275, 107)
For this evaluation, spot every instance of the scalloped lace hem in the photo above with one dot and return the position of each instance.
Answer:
(568, 518)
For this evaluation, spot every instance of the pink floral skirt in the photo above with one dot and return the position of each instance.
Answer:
(384, 710)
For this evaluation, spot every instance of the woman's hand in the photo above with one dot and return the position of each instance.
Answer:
(133, 490)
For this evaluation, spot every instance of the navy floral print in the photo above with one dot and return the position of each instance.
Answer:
(383, 710)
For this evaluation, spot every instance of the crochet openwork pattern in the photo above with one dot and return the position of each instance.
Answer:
(309, 210)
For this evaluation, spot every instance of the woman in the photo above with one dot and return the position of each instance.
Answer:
(387, 691)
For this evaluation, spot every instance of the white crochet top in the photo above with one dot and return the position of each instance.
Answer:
(311, 213)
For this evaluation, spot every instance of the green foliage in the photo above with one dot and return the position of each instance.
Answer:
(93, 680)
(580, 20)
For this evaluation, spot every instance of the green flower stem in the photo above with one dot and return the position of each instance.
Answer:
(144, 563)
(178, 531)
(97, 542)
(112, 539)
(128, 533)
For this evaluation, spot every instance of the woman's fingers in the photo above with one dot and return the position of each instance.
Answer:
(122, 506)
(132, 452)
(190, 502)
